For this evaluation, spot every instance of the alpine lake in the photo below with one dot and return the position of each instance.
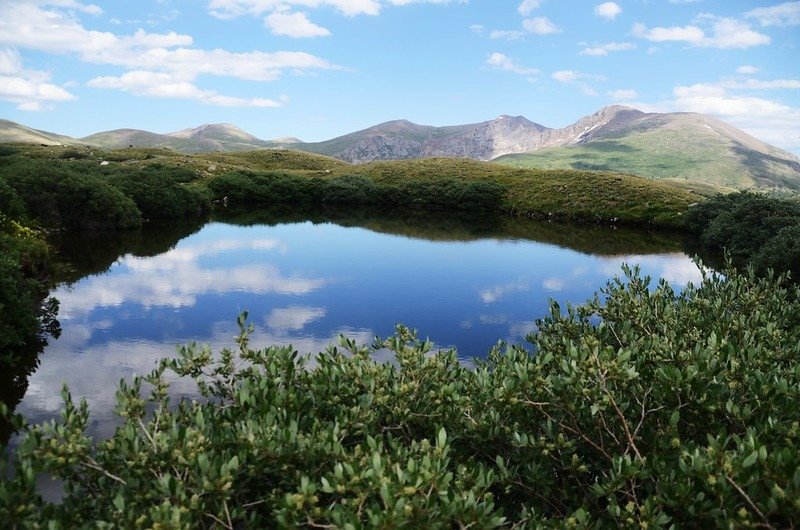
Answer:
(129, 299)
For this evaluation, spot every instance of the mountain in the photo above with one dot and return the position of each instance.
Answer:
(222, 137)
(401, 139)
(205, 138)
(11, 132)
(685, 146)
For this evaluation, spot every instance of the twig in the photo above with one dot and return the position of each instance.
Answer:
(90, 463)
(748, 500)
(218, 520)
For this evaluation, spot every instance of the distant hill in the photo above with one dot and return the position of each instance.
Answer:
(686, 146)
(692, 147)
(202, 139)
(402, 140)
(11, 132)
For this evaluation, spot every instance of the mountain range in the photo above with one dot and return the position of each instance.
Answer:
(687, 146)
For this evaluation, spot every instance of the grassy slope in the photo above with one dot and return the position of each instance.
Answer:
(664, 153)
(567, 194)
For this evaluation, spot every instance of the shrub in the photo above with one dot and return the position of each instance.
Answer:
(158, 197)
(749, 227)
(643, 408)
(349, 189)
(249, 188)
(60, 196)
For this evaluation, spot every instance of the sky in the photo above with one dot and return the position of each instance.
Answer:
(316, 69)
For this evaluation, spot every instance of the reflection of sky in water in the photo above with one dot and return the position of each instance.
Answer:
(304, 284)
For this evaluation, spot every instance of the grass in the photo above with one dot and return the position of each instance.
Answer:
(594, 196)
(662, 154)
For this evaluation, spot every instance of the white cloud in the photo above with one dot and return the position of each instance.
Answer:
(227, 9)
(527, 6)
(768, 120)
(758, 84)
(295, 25)
(571, 76)
(566, 76)
(234, 8)
(30, 90)
(747, 69)
(690, 34)
(506, 34)
(540, 26)
(623, 94)
(786, 14)
(501, 61)
(159, 64)
(725, 33)
(607, 10)
(477, 28)
(603, 49)
(730, 33)
(163, 85)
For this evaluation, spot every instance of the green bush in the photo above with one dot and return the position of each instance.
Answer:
(25, 258)
(751, 228)
(644, 408)
(349, 189)
(60, 195)
(445, 194)
(244, 188)
(159, 197)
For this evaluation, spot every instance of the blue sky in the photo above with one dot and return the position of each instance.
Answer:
(316, 69)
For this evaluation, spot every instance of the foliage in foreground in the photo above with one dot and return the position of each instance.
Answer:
(643, 408)
(758, 229)
(26, 314)
(24, 258)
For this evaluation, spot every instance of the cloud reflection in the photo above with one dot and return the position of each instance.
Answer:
(294, 318)
(494, 294)
(177, 277)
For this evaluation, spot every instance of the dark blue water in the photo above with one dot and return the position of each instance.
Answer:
(305, 284)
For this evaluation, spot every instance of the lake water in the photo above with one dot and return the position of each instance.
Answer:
(134, 297)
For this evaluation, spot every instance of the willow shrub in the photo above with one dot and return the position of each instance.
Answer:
(643, 408)
(752, 228)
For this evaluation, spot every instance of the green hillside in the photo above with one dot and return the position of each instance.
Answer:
(282, 176)
(686, 153)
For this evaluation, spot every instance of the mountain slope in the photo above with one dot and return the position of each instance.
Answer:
(202, 139)
(401, 139)
(221, 137)
(11, 132)
(685, 146)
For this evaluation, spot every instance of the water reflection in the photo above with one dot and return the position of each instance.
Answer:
(463, 283)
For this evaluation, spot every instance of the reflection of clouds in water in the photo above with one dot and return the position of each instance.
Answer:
(191, 253)
(520, 330)
(92, 372)
(175, 279)
(677, 269)
(553, 284)
(293, 317)
(493, 319)
(493, 294)
(179, 287)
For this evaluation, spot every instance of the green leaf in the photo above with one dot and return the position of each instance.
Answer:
(441, 438)
(750, 460)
